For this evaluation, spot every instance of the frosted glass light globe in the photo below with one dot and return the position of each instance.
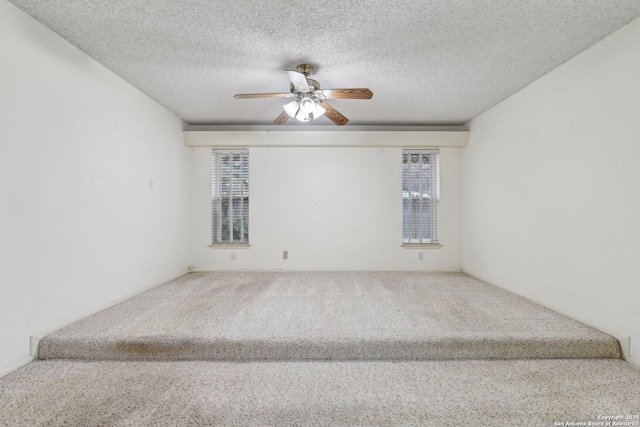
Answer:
(307, 105)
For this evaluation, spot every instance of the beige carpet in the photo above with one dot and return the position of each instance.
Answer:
(382, 331)
(240, 316)
(430, 393)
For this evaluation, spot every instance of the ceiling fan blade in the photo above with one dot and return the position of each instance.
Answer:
(359, 93)
(299, 80)
(263, 95)
(283, 117)
(333, 115)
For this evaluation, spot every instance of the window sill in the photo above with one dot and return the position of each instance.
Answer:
(421, 245)
(229, 246)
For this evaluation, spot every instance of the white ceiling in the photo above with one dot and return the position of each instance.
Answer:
(428, 62)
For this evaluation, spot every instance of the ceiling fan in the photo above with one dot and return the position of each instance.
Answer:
(309, 99)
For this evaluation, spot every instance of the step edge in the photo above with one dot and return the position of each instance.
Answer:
(34, 341)
(624, 340)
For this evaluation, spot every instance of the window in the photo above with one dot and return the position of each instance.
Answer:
(230, 197)
(420, 196)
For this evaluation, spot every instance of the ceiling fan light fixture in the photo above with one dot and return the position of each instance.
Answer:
(291, 108)
(307, 105)
(302, 116)
(318, 111)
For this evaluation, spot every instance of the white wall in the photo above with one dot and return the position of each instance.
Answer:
(551, 188)
(79, 226)
(331, 208)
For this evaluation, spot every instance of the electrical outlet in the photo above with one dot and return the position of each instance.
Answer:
(233, 256)
(420, 256)
(285, 254)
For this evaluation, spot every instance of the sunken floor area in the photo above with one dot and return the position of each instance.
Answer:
(322, 348)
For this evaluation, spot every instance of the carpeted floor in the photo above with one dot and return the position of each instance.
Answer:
(428, 393)
(239, 316)
(324, 349)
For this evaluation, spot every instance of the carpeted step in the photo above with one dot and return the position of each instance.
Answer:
(244, 316)
(437, 393)
(298, 348)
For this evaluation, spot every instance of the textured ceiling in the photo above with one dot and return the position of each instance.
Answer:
(428, 62)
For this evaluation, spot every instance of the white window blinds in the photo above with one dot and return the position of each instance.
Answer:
(420, 196)
(230, 197)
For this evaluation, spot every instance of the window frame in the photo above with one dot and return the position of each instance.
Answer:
(434, 241)
(217, 197)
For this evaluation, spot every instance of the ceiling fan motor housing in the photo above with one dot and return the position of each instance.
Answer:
(314, 86)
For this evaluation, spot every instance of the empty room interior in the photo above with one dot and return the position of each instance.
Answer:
(327, 213)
